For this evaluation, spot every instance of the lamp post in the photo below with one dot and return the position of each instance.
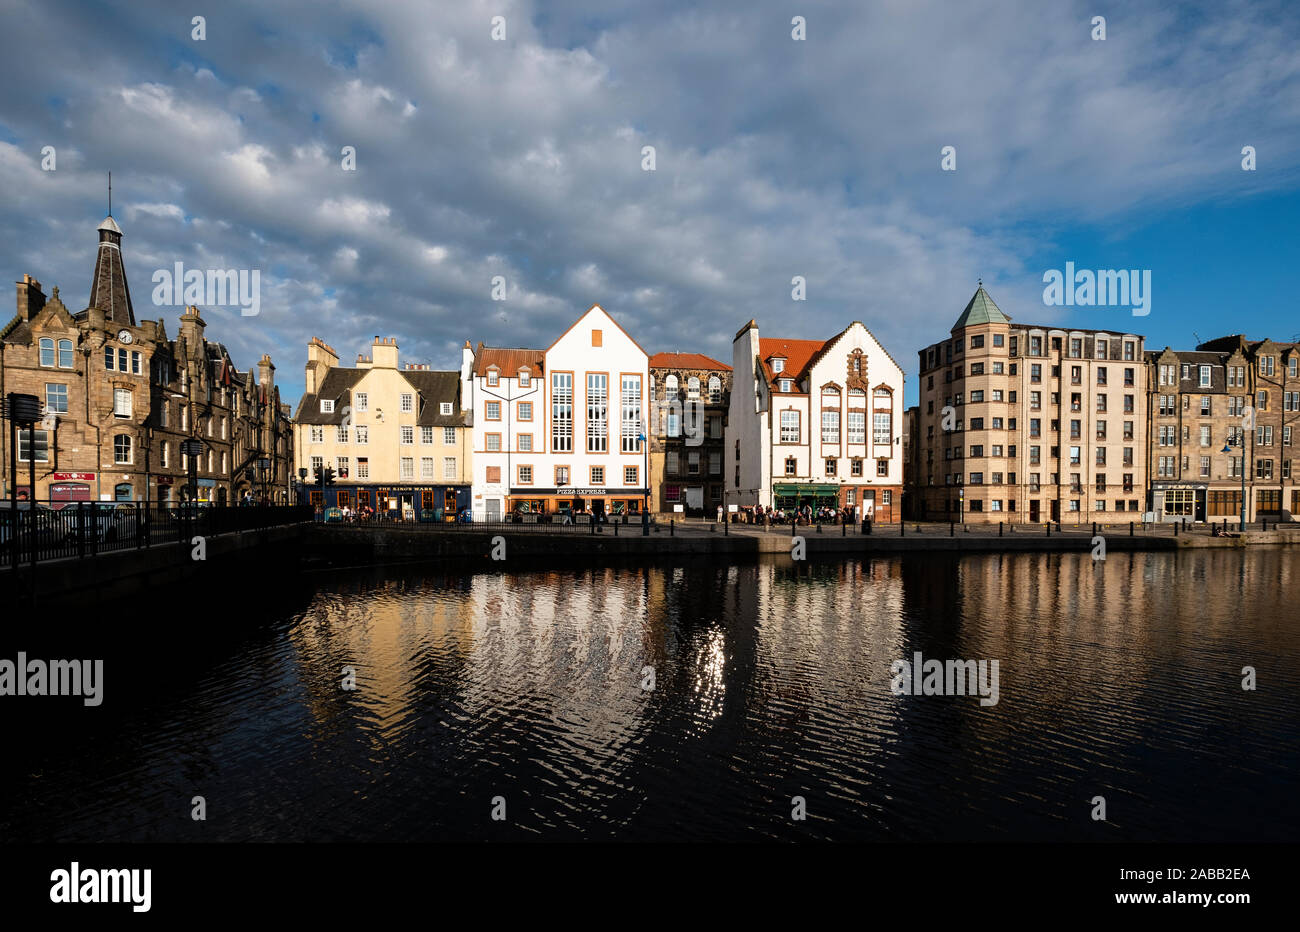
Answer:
(264, 464)
(645, 495)
(22, 411)
(1227, 448)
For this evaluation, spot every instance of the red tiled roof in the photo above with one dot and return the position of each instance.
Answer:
(686, 361)
(798, 354)
(508, 361)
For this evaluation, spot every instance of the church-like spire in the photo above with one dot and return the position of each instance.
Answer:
(108, 289)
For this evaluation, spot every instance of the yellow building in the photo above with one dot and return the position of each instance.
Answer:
(395, 437)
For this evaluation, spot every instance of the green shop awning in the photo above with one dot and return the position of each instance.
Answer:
(788, 488)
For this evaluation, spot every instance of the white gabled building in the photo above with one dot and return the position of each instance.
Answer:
(559, 428)
(816, 422)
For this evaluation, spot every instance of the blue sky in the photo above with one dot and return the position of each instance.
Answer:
(775, 158)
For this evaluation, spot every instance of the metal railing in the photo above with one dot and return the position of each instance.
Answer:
(86, 529)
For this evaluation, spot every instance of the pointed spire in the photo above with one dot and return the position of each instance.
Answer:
(980, 310)
(108, 289)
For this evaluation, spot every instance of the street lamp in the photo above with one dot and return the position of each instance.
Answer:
(22, 411)
(645, 476)
(1227, 448)
(264, 464)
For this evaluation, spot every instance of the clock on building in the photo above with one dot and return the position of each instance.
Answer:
(124, 336)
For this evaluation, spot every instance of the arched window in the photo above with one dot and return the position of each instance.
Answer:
(692, 388)
(65, 354)
(122, 450)
(47, 351)
(715, 390)
(670, 388)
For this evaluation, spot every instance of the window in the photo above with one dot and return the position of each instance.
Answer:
(408, 434)
(122, 450)
(597, 411)
(493, 442)
(791, 466)
(831, 426)
(855, 467)
(317, 434)
(449, 467)
(715, 390)
(830, 468)
(881, 432)
(341, 433)
(525, 410)
(317, 464)
(47, 352)
(449, 435)
(597, 475)
(340, 466)
(41, 444)
(493, 411)
(562, 412)
(1266, 365)
(882, 468)
(326, 406)
(408, 401)
(445, 408)
(597, 338)
(525, 379)
(789, 426)
(526, 443)
(363, 401)
(426, 467)
(857, 427)
(493, 377)
(426, 435)
(135, 362)
(787, 385)
(630, 425)
(363, 433)
(56, 397)
(630, 475)
(407, 467)
(121, 402)
(778, 364)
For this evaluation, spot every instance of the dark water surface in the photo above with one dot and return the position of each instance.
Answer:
(772, 680)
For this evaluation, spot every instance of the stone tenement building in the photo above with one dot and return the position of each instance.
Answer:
(396, 437)
(120, 396)
(1201, 401)
(690, 394)
(1027, 423)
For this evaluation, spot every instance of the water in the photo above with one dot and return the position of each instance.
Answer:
(772, 680)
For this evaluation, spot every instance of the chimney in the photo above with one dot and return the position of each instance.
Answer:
(30, 297)
(320, 359)
(266, 372)
(384, 353)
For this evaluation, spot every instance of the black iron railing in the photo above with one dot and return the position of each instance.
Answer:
(59, 530)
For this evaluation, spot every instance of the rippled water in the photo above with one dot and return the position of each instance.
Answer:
(772, 680)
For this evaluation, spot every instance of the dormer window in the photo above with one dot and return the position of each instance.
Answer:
(444, 408)
(493, 377)
(327, 406)
(523, 378)
(786, 385)
(778, 364)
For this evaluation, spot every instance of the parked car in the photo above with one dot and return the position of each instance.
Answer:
(45, 523)
(103, 522)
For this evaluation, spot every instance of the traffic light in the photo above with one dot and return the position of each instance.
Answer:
(328, 476)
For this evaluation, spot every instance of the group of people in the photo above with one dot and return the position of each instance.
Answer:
(803, 514)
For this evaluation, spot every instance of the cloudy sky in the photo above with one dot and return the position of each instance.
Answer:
(774, 158)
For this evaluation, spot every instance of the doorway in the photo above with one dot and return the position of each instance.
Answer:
(1033, 511)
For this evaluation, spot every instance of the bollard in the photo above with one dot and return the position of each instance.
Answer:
(999, 529)
(902, 528)
(793, 523)
(672, 527)
(951, 528)
(819, 527)
(616, 529)
(1049, 528)
(726, 528)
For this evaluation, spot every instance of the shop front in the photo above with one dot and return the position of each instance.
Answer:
(1179, 501)
(790, 496)
(68, 487)
(395, 502)
(614, 504)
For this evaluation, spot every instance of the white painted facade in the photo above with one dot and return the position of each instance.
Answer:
(566, 430)
(826, 415)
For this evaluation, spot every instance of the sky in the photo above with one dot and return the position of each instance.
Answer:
(775, 157)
